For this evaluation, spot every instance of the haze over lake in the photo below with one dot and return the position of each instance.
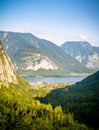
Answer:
(53, 79)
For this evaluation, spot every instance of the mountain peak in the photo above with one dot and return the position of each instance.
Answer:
(77, 43)
(85, 44)
(30, 55)
(83, 52)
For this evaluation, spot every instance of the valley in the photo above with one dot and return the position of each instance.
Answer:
(46, 106)
(49, 64)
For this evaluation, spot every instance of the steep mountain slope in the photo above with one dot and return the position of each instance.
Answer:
(20, 111)
(7, 73)
(31, 55)
(83, 52)
(82, 99)
(8, 76)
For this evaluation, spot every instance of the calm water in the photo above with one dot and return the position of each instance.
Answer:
(53, 79)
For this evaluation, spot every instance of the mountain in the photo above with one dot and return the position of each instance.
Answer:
(81, 99)
(7, 73)
(33, 56)
(8, 76)
(19, 110)
(83, 52)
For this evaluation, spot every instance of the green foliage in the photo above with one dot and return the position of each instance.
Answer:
(19, 111)
(82, 99)
(42, 72)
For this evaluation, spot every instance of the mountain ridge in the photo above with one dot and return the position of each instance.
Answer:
(84, 52)
(20, 110)
(81, 99)
(20, 46)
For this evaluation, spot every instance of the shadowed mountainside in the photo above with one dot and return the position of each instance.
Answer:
(82, 99)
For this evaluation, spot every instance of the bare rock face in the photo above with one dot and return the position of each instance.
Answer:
(34, 62)
(7, 73)
(84, 52)
(32, 56)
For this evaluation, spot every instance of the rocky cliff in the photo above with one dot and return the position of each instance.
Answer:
(7, 73)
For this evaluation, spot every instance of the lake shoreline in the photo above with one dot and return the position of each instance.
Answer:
(54, 79)
(59, 76)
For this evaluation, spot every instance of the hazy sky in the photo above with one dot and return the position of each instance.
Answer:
(54, 20)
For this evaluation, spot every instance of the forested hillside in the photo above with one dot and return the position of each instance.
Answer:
(31, 34)
(82, 99)
(19, 110)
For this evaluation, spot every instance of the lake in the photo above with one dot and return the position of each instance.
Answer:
(53, 79)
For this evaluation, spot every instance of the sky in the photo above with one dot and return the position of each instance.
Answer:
(55, 20)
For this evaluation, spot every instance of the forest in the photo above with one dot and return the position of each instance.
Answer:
(81, 99)
(64, 107)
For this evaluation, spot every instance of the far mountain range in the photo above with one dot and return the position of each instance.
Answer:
(32, 56)
(83, 52)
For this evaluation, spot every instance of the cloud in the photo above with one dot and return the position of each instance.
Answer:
(58, 37)
(83, 37)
